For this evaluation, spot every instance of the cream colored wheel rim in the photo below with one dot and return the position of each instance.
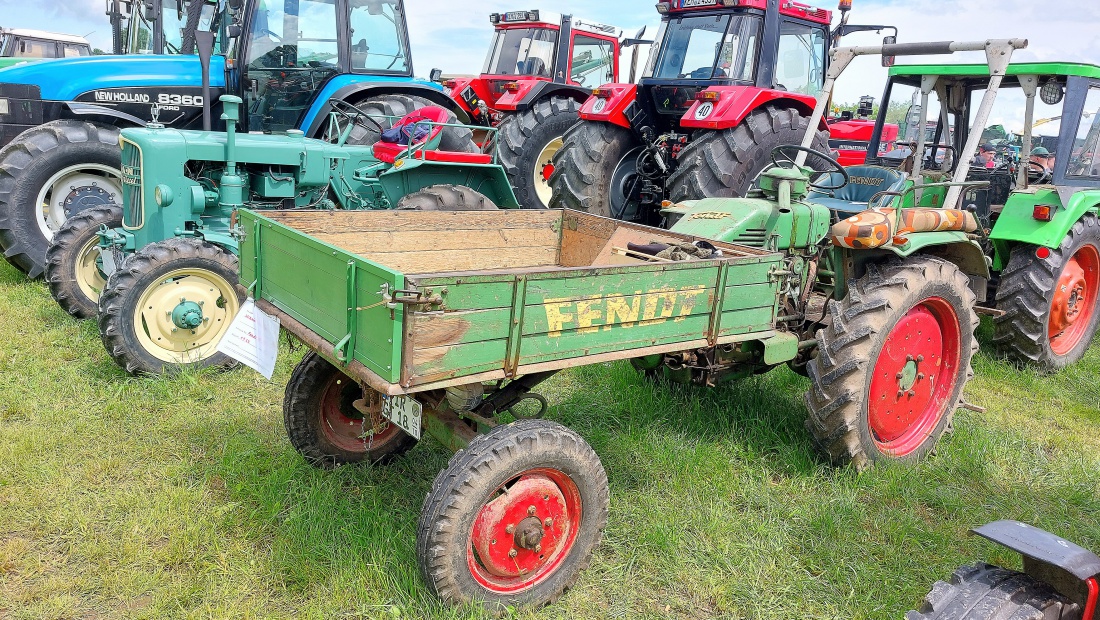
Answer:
(543, 167)
(89, 278)
(168, 342)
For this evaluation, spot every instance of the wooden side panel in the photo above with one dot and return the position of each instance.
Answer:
(468, 259)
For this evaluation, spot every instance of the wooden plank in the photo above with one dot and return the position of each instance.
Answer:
(747, 320)
(457, 360)
(435, 329)
(635, 279)
(579, 344)
(433, 261)
(377, 242)
(749, 296)
(617, 312)
(624, 236)
(313, 222)
(469, 294)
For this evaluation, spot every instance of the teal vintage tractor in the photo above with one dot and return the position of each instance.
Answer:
(162, 279)
(1038, 197)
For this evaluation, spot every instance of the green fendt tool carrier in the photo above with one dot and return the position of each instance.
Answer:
(442, 323)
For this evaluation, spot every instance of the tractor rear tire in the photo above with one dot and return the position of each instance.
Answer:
(137, 311)
(874, 396)
(725, 163)
(48, 174)
(594, 169)
(483, 524)
(528, 142)
(985, 592)
(72, 273)
(1029, 289)
(446, 198)
(324, 426)
(458, 139)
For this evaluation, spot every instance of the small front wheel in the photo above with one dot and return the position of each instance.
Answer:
(169, 305)
(74, 268)
(514, 518)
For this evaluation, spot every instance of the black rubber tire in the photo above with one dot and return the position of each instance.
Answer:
(458, 139)
(985, 592)
(848, 348)
(27, 163)
(585, 165)
(141, 270)
(523, 136)
(303, 417)
(66, 254)
(724, 163)
(490, 461)
(446, 198)
(1025, 293)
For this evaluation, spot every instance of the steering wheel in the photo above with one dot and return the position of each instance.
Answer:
(1037, 173)
(353, 113)
(781, 159)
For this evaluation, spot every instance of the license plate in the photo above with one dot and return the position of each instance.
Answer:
(404, 412)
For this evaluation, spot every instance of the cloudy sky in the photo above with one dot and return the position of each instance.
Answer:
(453, 36)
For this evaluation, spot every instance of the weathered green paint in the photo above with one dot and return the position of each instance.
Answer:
(754, 221)
(982, 70)
(780, 348)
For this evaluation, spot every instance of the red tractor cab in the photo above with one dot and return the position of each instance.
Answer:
(726, 82)
(540, 68)
(849, 136)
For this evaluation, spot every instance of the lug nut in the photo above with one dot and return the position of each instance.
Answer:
(530, 511)
(908, 358)
(920, 358)
(912, 393)
(510, 529)
(548, 522)
(538, 548)
(920, 376)
(512, 553)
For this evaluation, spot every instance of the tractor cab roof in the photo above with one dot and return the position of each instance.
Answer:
(43, 34)
(538, 18)
(788, 8)
(911, 74)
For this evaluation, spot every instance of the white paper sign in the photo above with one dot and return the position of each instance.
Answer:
(253, 339)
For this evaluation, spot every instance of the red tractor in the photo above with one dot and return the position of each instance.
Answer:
(849, 135)
(727, 81)
(541, 67)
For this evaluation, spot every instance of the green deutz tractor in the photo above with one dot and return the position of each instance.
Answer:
(1037, 197)
(162, 283)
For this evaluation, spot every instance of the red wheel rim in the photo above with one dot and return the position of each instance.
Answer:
(914, 377)
(524, 531)
(1074, 300)
(346, 427)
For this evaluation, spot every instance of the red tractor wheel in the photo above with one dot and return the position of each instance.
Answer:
(891, 366)
(1050, 299)
(514, 518)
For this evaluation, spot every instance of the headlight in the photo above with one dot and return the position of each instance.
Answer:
(4, 106)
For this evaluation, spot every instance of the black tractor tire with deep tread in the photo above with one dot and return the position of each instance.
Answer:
(985, 592)
(302, 417)
(584, 166)
(446, 198)
(724, 163)
(1025, 293)
(458, 139)
(64, 256)
(25, 166)
(140, 270)
(458, 492)
(849, 347)
(522, 137)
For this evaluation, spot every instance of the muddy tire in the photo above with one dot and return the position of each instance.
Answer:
(48, 174)
(892, 363)
(1051, 304)
(139, 309)
(595, 169)
(72, 271)
(458, 139)
(324, 426)
(984, 592)
(469, 527)
(528, 142)
(724, 163)
(446, 198)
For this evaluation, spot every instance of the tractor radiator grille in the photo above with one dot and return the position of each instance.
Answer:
(752, 237)
(133, 199)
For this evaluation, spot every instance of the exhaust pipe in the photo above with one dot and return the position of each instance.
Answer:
(204, 40)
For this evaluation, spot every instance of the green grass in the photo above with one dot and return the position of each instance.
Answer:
(181, 498)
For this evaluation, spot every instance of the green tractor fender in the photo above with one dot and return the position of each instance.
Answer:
(1017, 222)
(411, 175)
(950, 245)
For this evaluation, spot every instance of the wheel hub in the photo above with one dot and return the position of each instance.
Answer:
(182, 317)
(544, 167)
(523, 529)
(1066, 307)
(85, 197)
(1074, 300)
(188, 314)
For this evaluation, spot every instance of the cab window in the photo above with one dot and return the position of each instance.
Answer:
(377, 36)
(72, 51)
(800, 66)
(35, 48)
(1083, 161)
(593, 61)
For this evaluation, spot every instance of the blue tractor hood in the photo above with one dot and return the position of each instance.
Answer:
(66, 78)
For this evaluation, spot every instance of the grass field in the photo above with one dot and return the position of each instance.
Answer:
(181, 498)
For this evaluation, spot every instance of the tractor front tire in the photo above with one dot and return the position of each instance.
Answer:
(446, 198)
(73, 272)
(514, 518)
(528, 142)
(595, 170)
(892, 362)
(325, 427)
(1051, 304)
(48, 174)
(158, 291)
(985, 592)
(724, 163)
(460, 139)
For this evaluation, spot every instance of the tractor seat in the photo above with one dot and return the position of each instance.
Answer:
(863, 183)
(388, 151)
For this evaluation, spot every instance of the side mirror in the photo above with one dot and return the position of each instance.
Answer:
(888, 60)
(436, 75)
